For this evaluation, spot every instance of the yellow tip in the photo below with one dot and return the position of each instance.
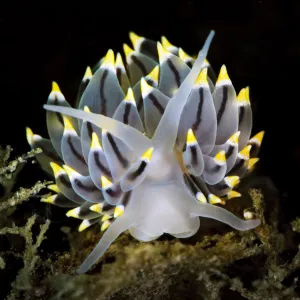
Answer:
(223, 75)
(95, 144)
(53, 187)
(97, 208)
(73, 212)
(145, 87)
(242, 97)
(232, 181)
(245, 153)
(106, 217)
(109, 59)
(248, 93)
(154, 74)
(50, 199)
(29, 136)
(213, 199)
(205, 63)
(135, 39)
(105, 225)
(185, 57)
(258, 138)
(118, 211)
(127, 50)
(202, 78)
(84, 225)
(67, 124)
(69, 170)
(233, 194)
(105, 182)
(252, 162)
(119, 61)
(166, 44)
(130, 97)
(55, 87)
(57, 170)
(220, 158)
(201, 198)
(190, 137)
(88, 74)
(148, 154)
(234, 139)
(163, 54)
(86, 109)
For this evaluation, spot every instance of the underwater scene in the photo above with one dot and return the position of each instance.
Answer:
(150, 153)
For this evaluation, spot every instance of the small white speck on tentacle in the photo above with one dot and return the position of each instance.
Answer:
(166, 133)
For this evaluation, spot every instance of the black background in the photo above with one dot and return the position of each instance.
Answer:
(258, 40)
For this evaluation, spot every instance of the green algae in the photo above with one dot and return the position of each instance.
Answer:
(217, 263)
(25, 278)
(296, 225)
(2, 263)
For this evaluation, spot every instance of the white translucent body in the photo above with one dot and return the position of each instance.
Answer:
(163, 205)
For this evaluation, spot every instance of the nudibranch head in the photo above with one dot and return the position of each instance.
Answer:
(152, 145)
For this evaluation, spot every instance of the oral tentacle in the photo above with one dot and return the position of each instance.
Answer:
(131, 136)
(224, 216)
(166, 133)
(117, 227)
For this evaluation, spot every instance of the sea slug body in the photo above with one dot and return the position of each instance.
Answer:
(152, 145)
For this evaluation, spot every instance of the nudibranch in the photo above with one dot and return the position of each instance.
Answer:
(153, 144)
